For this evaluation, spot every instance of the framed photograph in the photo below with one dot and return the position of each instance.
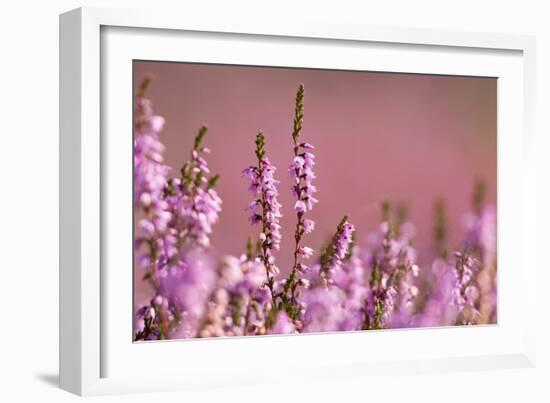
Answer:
(244, 203)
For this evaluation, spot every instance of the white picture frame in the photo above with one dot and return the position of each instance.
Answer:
(97, 355)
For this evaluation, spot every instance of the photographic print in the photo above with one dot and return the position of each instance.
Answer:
(272, 200)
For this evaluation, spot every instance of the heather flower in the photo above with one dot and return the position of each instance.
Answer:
(155, 320)
(309, 226)
(265, 208)
(150, 175)
(301, 170)
(305, 251)
(193, 198)
(337, 250)
(149, 171)
(302, 173)
(146, 324)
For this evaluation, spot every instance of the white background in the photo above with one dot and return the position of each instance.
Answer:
(29, 202)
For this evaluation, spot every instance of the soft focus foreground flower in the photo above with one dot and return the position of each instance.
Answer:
(283, 324)
(392, 294)
(481, 240)
(324, 309)
(439, 309)
(241, 301)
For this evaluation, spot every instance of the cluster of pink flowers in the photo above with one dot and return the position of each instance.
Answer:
(337, 251)
(195, 202)
(352, 283)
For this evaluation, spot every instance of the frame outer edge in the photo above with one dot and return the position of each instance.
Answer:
(530, 191)
(90, 215)
(79, 162)
(70, 119)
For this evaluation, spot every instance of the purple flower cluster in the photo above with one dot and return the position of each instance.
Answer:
(302, 173)
(354, 283)
(195, 202)
(337, 251)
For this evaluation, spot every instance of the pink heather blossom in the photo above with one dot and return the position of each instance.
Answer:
(309, 226)
(265, 208)
(306, 251)
(337, 250)
(283, 325)
(301, 172)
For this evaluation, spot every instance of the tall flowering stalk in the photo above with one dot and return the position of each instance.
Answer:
(301, 170)
(336, 251)
(265, 209)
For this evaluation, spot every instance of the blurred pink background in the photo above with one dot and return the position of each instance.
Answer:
(405, 137)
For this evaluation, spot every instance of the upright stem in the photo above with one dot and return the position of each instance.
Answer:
(292, 282)
(265, 245)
